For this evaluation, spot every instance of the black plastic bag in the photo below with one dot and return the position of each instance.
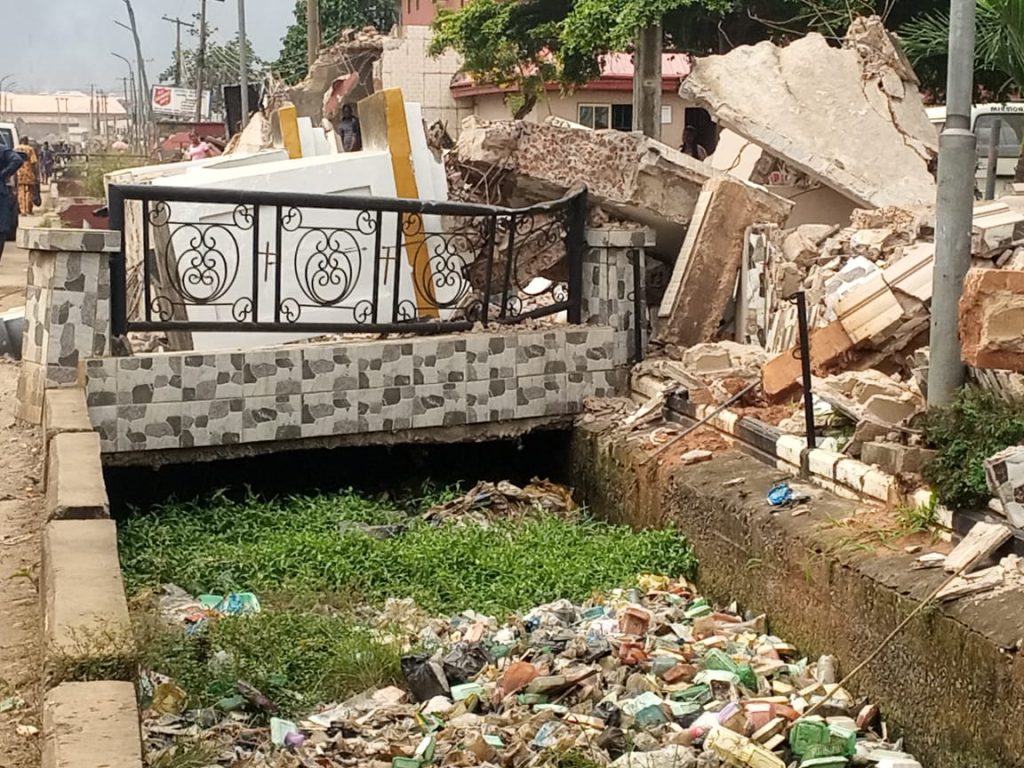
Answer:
(464, 662)
(425, 677)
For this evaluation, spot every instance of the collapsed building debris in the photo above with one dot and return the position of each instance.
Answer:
(850, 117)
(704, 277)
(630, 176)
(653, 676)
(341, 73)
(992, 319)
(1004, 472)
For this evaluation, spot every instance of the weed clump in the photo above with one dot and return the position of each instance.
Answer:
(977, 425)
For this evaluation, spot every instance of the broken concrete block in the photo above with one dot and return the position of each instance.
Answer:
(981, 541)
(895, 458)
(1005, 474)
(995, 227)
(633, 177)
(696, 457)
(992, 319)
(852, 117)
(704, 277)
(890, 410)
(724, 359)
(981, 581)
(781, 374)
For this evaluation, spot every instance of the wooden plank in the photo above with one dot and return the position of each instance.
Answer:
(980, 542)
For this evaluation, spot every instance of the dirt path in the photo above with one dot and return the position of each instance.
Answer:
(21, 511)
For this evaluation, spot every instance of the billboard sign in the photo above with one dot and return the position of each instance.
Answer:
(178, 102)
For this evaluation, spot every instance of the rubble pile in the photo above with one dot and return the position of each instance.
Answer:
(649, 677)
(851, 117)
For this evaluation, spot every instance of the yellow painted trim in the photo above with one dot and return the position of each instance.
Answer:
(288, 120)
(400, 147)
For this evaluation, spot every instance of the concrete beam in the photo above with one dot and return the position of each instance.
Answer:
(74, 478)
(91, 725)
(85, 612)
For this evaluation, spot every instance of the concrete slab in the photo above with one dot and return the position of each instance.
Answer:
(85, 612)
(74, 478)
(851, 118)
(91, 725)
(65, 410)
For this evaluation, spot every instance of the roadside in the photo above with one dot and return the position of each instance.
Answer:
(21, 506)
(12, 277)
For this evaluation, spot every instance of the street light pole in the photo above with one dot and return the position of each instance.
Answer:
(3, 99)
(954, 209)
(136, 126)
(243, 62)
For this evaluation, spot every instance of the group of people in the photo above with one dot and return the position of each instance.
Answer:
(22, 171)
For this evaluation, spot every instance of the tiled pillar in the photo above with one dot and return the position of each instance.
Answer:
(67, 309)
(609, 288)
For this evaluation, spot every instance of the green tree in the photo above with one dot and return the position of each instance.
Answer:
(998, 50)
(335, 15)
(221, 68)
(523, 45)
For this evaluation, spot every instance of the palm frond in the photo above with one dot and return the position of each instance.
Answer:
(999, 37)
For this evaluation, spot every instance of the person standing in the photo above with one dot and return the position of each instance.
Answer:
(350, 131)
(28, 177)
(691, 146)
(46, 163)
(10, 162)
(198, 150)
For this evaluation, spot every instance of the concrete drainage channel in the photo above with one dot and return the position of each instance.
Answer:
(823, 599)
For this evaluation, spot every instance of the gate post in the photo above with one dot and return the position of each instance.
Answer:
(67, 309)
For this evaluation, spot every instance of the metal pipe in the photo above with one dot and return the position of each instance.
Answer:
(954, 209)
(993, 158)
(805, 368)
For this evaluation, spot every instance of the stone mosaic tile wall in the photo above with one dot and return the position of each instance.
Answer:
(186, 399)
(609, 286)
(67, 309)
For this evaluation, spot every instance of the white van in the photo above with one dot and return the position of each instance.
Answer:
(1011, 134)
(9, 135)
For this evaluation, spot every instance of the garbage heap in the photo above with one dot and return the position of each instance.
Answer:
(652, 677)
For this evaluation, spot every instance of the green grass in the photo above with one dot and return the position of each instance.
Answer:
(309, 646)
(298, 659)
(295, 546)
(973, 428)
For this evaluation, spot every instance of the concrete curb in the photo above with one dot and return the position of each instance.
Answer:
(75, 489)
(91, 725)
(65, 410)
(86, 625)
(835, 472)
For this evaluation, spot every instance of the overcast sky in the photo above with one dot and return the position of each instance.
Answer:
(65, 44)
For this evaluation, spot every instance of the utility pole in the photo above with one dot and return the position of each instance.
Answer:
(954, 209)
(144, 105)
(647, 82)
(179, 62)
(243, 63)
(312, 30)
(201, 63)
